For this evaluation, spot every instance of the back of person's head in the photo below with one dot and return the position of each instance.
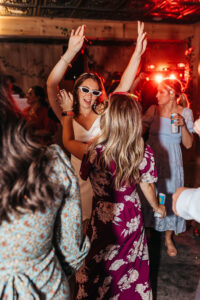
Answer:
(176, 86)
(78, 83)
(24, 164)
(40, 93)
(121, 136)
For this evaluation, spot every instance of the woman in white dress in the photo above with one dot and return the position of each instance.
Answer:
(80, 120)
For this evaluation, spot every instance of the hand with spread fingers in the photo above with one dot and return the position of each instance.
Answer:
(65, 100)
(130, 71)
(76, 39)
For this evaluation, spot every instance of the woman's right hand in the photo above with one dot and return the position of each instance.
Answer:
(65, 100)
(161, 210)
(141, 39)
(76, 39)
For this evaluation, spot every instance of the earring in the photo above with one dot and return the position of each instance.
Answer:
(171, 95)
(95, 104)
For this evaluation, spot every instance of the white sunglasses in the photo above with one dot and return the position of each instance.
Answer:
(86, 90)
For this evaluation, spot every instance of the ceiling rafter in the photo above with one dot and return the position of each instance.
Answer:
(171, 11)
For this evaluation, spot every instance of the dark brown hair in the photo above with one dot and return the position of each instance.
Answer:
(24, 164)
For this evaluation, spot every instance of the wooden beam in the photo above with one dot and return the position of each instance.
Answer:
(102, 29)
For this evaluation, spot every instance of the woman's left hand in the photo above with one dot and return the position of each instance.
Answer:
(65, 100)
(161, 210)
(141, 39)
(179, 120)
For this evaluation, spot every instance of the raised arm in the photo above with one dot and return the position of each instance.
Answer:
(77, 148)
(129, 73)
(74, 45)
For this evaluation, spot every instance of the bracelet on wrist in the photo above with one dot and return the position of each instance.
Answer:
(68, 113)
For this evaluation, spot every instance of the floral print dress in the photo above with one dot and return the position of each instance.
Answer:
(39, 250)
(117, 266)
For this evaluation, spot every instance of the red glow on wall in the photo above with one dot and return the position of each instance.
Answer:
(181, 65)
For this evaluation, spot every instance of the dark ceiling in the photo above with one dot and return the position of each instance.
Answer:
(168, 11)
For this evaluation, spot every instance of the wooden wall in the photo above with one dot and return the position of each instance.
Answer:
(31, 46)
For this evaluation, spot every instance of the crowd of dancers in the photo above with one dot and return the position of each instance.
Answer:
(72, 225)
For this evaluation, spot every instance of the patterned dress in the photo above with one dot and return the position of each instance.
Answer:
(31, 243)
(169, 164)
(117, 266)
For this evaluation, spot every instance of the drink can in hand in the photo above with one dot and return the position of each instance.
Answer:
(161, 198)
(174, 128)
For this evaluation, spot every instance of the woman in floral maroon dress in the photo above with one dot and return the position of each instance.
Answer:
(117, 266)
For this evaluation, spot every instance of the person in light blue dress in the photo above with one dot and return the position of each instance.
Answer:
(41, 240)
(168, 155)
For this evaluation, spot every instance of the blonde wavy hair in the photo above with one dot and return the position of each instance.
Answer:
(174, 84)
(121, 136)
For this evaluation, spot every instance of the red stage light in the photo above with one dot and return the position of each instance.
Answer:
(151, 67)
(172, 76)
(158, 78)
(181, 65)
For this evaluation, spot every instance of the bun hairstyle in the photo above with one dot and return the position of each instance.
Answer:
(175, 86)
(79, 81)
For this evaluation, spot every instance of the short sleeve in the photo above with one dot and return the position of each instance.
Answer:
(189, 119)
(147, 167)
(148, 116)
(70, 245)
